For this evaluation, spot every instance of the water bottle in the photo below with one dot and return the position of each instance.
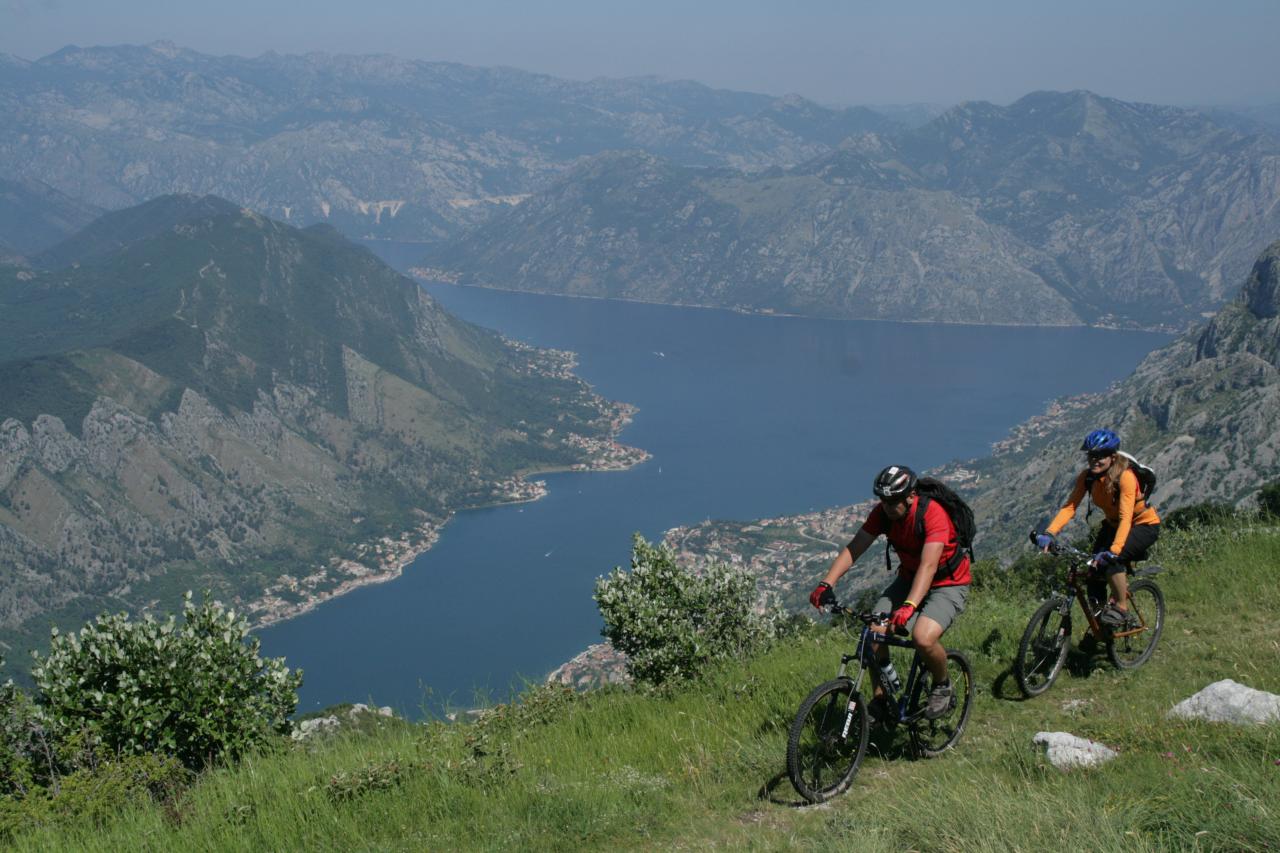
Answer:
(889, 677)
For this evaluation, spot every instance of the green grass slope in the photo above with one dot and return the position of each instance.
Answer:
(704, 766)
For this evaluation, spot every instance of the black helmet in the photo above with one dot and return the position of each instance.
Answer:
(894, 483)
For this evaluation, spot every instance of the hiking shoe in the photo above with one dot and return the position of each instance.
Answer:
(942, 699)
(1116, 619)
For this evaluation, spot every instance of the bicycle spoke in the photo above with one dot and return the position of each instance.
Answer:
(1133, 648)
(827, 741)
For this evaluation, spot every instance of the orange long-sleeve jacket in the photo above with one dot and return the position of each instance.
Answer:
(1120, 513)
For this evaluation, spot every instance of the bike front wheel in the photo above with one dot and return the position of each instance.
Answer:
(1043, 649)
(828, 740)
(1146, 602)
(933, 737)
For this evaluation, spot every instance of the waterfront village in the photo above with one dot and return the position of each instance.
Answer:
(386, 558)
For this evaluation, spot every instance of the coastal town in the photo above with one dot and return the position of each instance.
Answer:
(385, 558)
(376, 562)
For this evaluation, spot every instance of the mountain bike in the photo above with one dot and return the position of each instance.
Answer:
(829, 736)
(1045, 642)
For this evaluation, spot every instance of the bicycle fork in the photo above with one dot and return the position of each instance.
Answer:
(852, 708)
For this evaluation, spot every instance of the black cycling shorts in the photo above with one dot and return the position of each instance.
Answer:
(1141, 538)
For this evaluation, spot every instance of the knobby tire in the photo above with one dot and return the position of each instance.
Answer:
(1131, 652)
(823, 752)
(931, 738)
(1043, 649)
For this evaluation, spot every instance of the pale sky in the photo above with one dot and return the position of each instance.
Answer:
(850, 52)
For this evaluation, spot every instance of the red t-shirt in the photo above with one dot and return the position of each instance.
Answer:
(902, 536)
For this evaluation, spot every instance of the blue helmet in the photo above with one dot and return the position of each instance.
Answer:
(1101, 441)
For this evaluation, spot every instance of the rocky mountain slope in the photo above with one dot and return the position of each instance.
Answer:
(370, 144)
(34, 216)
(234, 403)
(1203, 411)
(1061, 208)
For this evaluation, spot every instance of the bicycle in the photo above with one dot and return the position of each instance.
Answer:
(832, 728)
(1047, 638)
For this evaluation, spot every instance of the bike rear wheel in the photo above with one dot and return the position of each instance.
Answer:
(1146, 601)
(1043, 649)
(933, 737)
(828, 740)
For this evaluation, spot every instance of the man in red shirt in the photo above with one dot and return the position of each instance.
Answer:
(921, 601)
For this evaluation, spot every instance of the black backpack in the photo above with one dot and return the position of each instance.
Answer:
(928, 489)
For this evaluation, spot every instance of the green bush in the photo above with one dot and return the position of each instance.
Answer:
(98, 793)
(1269, 499)
(671, 622)
(25, 755)
(196, 690)
(1206, 514)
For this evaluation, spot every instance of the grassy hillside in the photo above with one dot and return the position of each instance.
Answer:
(703, 766)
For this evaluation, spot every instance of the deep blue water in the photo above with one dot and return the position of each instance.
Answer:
(746, 416)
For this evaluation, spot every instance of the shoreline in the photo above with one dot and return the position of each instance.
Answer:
(390, 556)
(420, 274)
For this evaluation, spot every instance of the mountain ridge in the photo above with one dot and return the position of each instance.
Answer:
(1062, 208)
(389, 147)
(233, 403)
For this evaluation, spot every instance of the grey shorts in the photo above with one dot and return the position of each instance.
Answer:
(942, 604)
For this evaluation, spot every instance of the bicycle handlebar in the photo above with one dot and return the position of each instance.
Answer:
(1058, 549)
(867, 617)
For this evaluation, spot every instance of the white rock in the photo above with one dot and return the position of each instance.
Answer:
(1065, 750)
(1228, 701)
(314, 726)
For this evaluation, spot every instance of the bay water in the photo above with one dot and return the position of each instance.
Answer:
(746, 416)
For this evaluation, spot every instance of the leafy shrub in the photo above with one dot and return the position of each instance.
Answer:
(1206, 514)
(379, 776)
(1031, 574)
(671, 622)
(26, 756)
(196, 690)
(95, 794)
(489, 739)
(1269, 499)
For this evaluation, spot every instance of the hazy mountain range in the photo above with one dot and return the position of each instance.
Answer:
(371, 144)
(1061, 208)
(193, 395)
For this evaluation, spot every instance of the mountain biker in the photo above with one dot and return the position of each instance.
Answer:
(1131, 525)
(920, 601)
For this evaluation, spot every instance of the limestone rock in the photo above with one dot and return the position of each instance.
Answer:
(1227, 701)
(315, 726)
(1066, 751)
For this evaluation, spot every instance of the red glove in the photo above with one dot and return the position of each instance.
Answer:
(822, 595)
(898, 620)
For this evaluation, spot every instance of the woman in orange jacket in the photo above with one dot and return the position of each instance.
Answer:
(1131, 526)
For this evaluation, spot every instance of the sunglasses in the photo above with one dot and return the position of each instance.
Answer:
(1098, 457)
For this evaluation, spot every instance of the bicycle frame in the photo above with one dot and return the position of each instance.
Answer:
(865, 655)
(1076, 587)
